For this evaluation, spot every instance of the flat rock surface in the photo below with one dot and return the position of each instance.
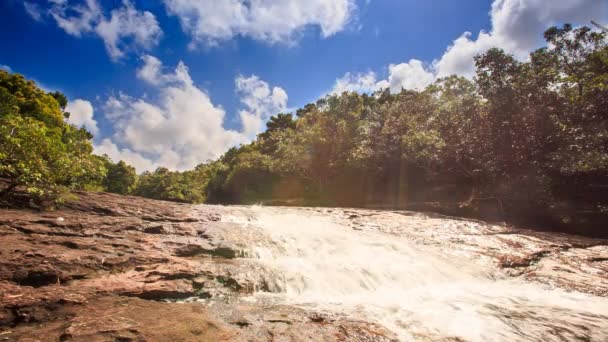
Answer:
(117, 268)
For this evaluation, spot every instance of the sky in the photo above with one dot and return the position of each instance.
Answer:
(176, 83)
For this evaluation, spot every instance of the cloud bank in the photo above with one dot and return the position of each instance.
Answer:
(184, 128)
(517, 27)
(127, 28)
(211, 21)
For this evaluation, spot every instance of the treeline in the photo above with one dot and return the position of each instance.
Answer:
(523, 141)
(43, 157)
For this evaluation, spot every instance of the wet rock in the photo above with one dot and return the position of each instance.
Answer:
(284, 323)
(106, 271)
(99, 247)
(159, 229)
(191, 250)
(510, 261)
(132, 319)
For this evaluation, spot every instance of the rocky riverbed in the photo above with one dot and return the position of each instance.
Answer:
(116, 268)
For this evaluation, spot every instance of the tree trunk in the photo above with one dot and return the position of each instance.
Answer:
(475, 188)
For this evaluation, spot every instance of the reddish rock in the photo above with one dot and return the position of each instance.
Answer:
(104, 268)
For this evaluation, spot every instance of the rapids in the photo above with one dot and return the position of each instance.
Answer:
(420, 291)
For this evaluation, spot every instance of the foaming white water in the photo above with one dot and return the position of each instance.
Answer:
(417, 292)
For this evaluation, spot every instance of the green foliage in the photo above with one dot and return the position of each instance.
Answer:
(163, 184)
(520, 133)
(276, 126)
(531, 136)
(121, 178)
(579, 58)
(22, 97)
(38, 150)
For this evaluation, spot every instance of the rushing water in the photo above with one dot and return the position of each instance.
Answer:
(416, 291)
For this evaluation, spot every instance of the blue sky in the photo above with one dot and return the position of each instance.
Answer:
(117, 61)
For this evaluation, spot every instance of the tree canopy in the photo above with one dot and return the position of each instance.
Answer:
(530, 136)
(39, 150)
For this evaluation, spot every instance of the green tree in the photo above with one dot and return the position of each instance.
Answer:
(276, 125)
(578, 64)
(22, 97)
(121, 178)
(38, 150)
(163, 184)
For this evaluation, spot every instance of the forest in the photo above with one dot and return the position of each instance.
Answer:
(523, 141)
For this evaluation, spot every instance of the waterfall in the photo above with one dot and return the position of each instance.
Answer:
(417, 291)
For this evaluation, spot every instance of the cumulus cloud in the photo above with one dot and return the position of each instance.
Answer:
(259, 101)
(184, 128)
(150, 71)
(517, 27)
(357, 82)
(127, 23)
(211, 21)
(411, 75)
(117, 154)
(126, 28)
(81, 114)
(6, 68)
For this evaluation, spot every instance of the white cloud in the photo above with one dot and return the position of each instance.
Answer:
(212, 21)
(6, 68)
(33, 10)
(83, 18)
(128, 23)
(410, 75)
(127, 28)
(517, 27)
(260, 103)
(358, 82)
(117, 154)
(150, 71)
(81, 114)
(184, 128)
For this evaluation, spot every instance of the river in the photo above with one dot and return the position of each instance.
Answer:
(420, 277)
